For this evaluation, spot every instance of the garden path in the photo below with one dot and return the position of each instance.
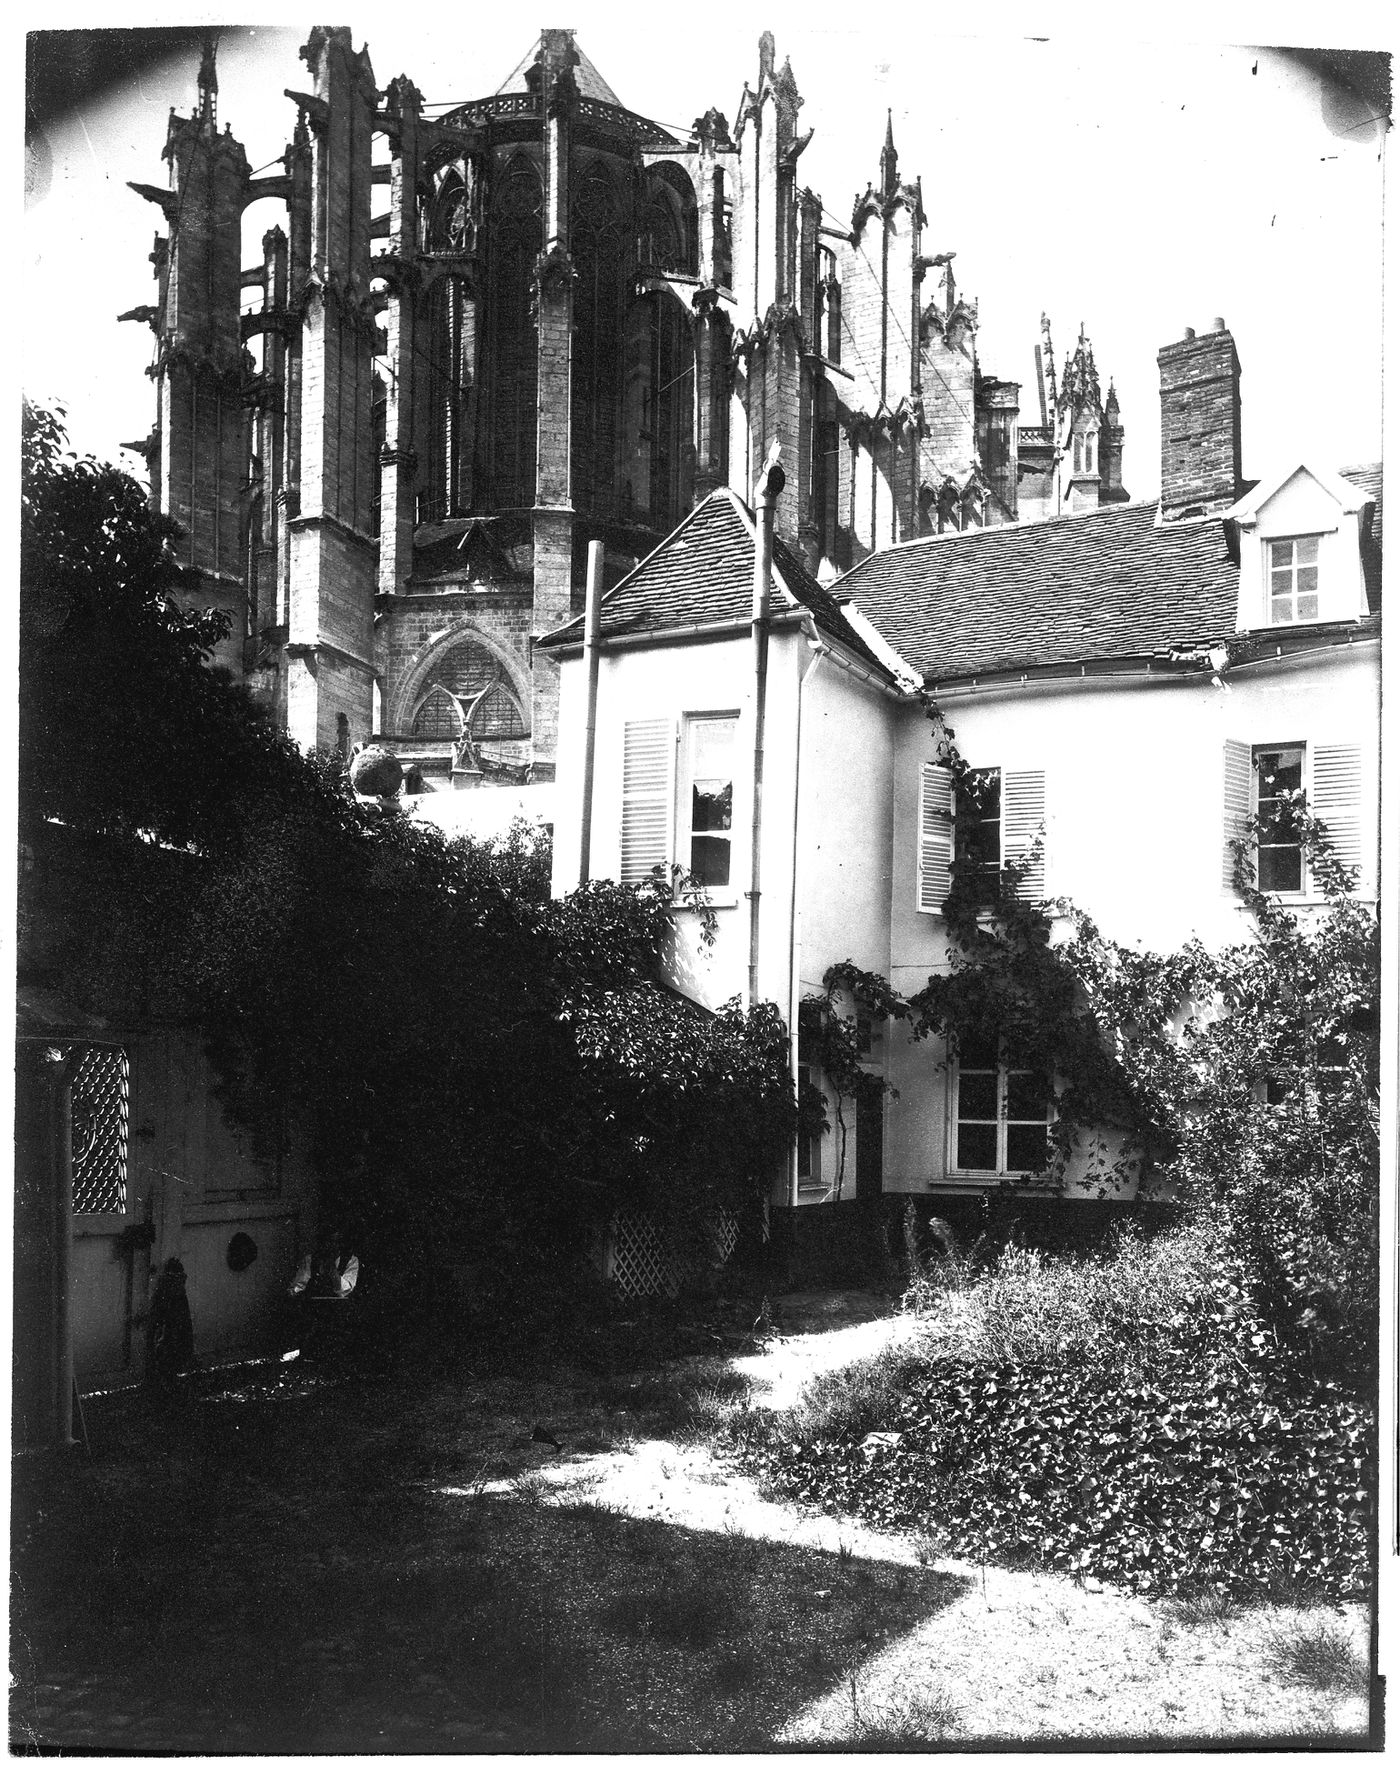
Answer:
(1020, 1655)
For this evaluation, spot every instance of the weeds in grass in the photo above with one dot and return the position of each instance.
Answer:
(1197, 1611)
(925, 1719)
(1318, 1656)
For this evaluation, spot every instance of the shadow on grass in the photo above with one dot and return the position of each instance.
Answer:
(265, 1576)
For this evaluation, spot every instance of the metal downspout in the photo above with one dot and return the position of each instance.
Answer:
(770, 484)
(591, 626)
(820, 652)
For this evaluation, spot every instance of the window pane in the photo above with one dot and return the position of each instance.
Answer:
(1282, 611)
(977, 1148)
(1027, 1096)
(1307, 581)
(711, 805)
(1307, 550)
(977, 1096)
(1025, 1150)
(1283, 582)
(709, 860)
(1307, 607)
(1281, 551)
(711, 748)
(1280, 870)
(1280, 771)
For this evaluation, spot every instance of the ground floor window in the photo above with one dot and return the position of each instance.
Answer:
(1001, 1112)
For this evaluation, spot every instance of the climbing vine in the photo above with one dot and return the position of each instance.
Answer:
(1243, 1082)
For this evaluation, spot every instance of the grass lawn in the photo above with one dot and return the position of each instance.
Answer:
(295, 1564)
(295, 1561)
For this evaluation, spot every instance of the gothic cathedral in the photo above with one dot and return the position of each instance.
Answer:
(489, 336)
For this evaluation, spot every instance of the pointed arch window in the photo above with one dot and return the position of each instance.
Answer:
(466, 670)
(668, 233)
(599, 317)
(660, 404)
(516, 239)
(447, 480)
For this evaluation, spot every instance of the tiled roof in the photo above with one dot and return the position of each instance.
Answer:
(1368, 477)
(591, 84)
(703, 575)
(1106, 583)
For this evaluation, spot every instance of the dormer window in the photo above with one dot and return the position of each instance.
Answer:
(1293, 580)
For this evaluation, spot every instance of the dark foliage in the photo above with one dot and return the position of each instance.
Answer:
(480, 1075)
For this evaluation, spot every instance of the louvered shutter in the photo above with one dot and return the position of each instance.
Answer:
(648, 750)
(935, 837)
(1022, 823)
(1239, 768)
(1337, 772)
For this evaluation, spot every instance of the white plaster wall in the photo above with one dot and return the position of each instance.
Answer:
(704, 676)
(1135, 830)
(848, 731)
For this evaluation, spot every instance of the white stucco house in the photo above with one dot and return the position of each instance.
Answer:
(1133, 674)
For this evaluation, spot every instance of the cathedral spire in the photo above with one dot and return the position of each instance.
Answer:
(889, 161)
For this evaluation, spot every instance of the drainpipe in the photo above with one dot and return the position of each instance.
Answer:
(62, 1179)
(820, 652)
(591, 626)
(770, 484)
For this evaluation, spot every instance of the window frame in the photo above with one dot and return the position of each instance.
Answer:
(1257, 799)
(1295, 565)
(1023, 818)
(691, 723)
(1001, 1123)
(1336, 785)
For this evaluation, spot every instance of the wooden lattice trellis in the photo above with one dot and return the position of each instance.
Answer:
(101, 1096)
(641, 1261)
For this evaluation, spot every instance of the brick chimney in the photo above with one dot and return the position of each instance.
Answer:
(1200, 377)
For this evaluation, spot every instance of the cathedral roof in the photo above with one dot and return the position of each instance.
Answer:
(702, 575)
(1105, 584)
(591, 84)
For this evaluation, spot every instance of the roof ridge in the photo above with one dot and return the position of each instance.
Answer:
(1008, 528)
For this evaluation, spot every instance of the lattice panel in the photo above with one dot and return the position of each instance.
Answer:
(642, 1263)
(101, 1107)
(724, 1230)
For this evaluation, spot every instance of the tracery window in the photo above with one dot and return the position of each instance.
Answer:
(668, 233)
(516, 239)
(599, 314)
(447, 484)
(466, 670)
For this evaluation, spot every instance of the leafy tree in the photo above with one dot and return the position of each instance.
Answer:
(481, 1075)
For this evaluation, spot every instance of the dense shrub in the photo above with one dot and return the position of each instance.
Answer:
(1128, 1417)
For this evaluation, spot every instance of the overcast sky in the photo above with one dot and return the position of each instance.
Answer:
(1137, 186)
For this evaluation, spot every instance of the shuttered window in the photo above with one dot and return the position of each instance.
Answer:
(934, 876)
(1238, 796)
(1011, 822)
(1337, 787)
(648, 752)
(1023, 824)
(1257, 777)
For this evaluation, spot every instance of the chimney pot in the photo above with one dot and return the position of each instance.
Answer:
(1218, 325)
(1188, 334)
